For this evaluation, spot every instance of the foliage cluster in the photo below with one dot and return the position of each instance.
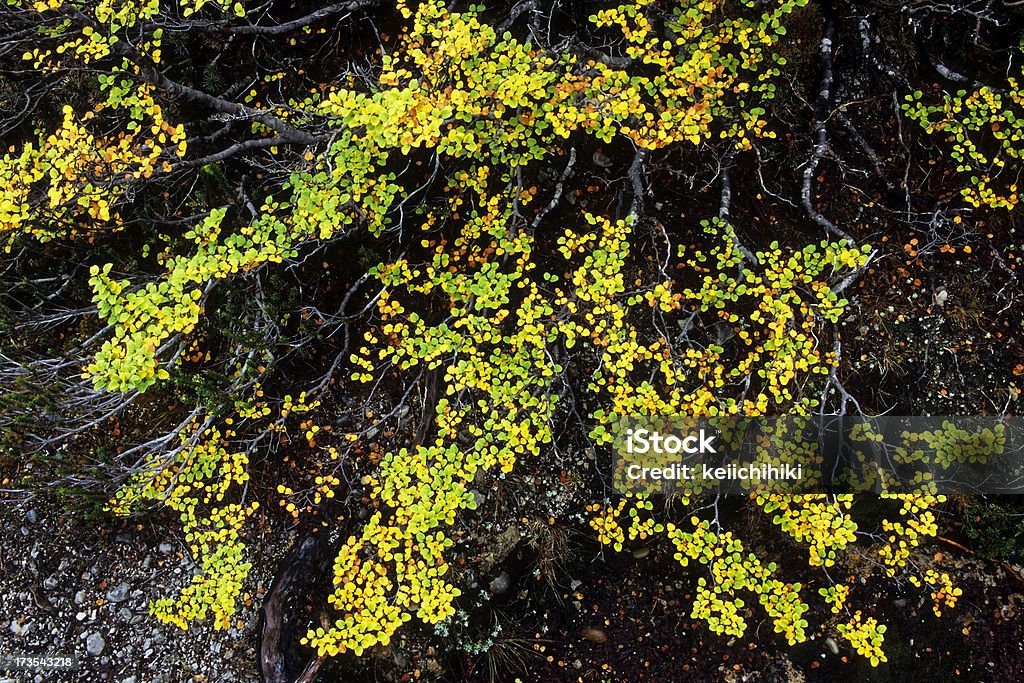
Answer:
(512, 309)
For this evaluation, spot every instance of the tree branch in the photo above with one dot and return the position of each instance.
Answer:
(154, 76)
(237, 148)
(821, 109)
(726, 203)
(323, 13)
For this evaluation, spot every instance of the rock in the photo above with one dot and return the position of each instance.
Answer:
(601, 160)
(81, 616)
(19, 629)
(125, 613)
(166, 548)
(118, 594)
(900, 603)
(499, 548)
(500, 583)
(32, 516)
(595, 635)
(94, 644)
(130, 679)
(50, 582)
(641, 553)
(478, 498)
(80, 598)
(832, 645)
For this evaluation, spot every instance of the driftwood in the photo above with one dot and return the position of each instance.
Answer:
(303, 563)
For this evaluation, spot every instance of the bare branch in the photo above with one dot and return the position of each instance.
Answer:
(821, 109)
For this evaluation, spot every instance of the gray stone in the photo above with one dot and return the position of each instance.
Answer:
(500, 583)
(601, 159)
(94, 644)
(80, 598)
(50, 582)
(832, 645)
(166, 548)
(118, 594)
(32, 516)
